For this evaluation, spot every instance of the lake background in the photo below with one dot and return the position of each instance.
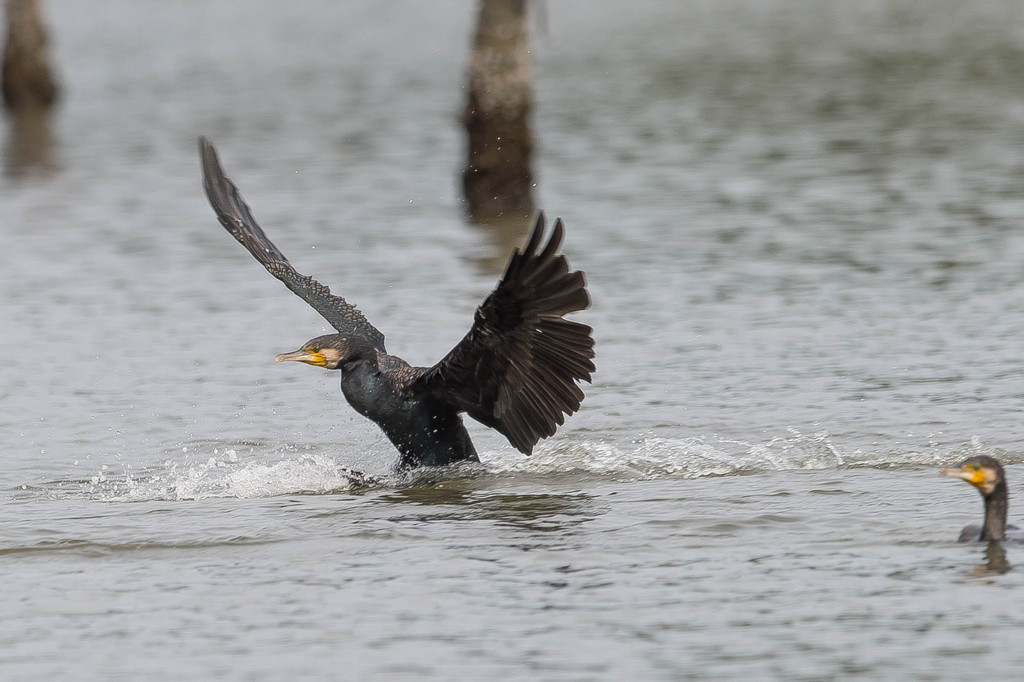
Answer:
(802, 228)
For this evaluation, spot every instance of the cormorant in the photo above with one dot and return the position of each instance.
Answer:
(987, 475)
(517, 370)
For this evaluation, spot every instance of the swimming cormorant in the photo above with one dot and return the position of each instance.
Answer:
(517, 370)
(987, 475)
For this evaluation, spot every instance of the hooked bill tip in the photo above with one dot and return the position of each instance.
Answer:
(300, 355)
(955, 472)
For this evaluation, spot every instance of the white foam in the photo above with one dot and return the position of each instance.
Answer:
(225, 476)
(208, 472)
(656, 457)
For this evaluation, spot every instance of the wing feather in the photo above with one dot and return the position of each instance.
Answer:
(237, 218)
(519, 367)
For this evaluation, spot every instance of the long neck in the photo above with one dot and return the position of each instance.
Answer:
(995, 514)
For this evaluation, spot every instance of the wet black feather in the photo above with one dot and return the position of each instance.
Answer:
(517, 369)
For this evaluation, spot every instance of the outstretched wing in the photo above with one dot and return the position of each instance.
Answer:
(235, 215)
(518, 368)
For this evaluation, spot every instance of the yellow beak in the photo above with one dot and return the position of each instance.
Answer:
(971, 476)
(303, 355)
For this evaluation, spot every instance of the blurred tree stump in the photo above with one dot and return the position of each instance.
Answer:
(497, 180)
(27, 75)
(29, 149)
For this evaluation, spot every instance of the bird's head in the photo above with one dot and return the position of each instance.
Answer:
(983, 472)
(330, 351)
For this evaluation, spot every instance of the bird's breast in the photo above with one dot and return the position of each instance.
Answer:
(371, 393)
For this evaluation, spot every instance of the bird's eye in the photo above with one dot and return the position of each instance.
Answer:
(977, 467)
(316, 349)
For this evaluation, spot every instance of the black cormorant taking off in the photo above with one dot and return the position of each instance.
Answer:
(987, 475)
(517, 370)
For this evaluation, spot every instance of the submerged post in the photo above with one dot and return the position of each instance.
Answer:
(27, 74)
(497, 180)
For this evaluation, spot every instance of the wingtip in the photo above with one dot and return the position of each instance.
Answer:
(205, 147)
(537, 236)
(555, 241)
(207, 156)
(215, 183)
(559, 226)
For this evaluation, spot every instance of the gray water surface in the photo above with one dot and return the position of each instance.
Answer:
(801, 226)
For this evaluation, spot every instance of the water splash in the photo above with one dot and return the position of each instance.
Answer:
(304, 470)
(656, 457)
(219, 475)
(305, 474)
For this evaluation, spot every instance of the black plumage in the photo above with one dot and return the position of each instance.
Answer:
(517, 370)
